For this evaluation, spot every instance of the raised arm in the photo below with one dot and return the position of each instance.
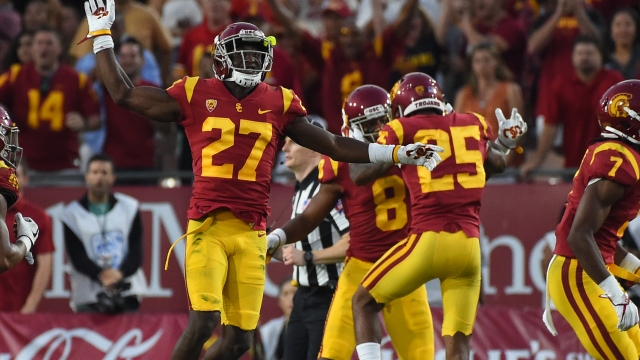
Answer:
(401, 24)
(286, 19)
(151, 102)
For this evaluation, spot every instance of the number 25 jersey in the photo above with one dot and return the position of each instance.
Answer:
(233, 143)
(447, 199)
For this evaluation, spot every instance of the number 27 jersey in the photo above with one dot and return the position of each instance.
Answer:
(233, 143)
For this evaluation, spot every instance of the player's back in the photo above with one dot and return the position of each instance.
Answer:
(233, 144)
(378, 212)
(447, 199)
(612, 160)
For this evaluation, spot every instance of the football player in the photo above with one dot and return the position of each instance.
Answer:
(379, 217)
(233, 124)
(604, 198)
(445, 208)
(25, 229)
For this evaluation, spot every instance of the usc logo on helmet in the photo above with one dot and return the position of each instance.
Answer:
(420, 90)
(618, 103)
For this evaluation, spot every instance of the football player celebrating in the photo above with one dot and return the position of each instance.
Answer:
(379, 218)
(445, 210)
(233, 124)
(25, 229)
(604, 198)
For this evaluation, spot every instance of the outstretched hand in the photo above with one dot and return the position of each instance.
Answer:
(510, 130)
(100, 17)
(420, 154)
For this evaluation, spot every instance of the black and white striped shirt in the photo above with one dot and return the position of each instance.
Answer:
(328, 233)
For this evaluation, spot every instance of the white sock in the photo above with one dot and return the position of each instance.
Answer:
(369, 351)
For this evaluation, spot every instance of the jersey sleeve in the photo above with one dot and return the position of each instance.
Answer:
(292, 106)
(182, 91)
(8, 184)
(486, 131)
(611, 161)
(328, 169)
(391, 133)
(6, 84)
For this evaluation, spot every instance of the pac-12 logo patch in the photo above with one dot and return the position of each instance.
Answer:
(618, 103)
(211, 104)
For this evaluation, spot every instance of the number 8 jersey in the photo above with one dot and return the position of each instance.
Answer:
(447, 199)
(233, 143)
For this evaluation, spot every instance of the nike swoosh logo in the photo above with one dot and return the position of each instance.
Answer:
(261, 234)
(260, 111)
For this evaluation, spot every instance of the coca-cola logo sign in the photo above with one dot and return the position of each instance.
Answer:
(48, 344)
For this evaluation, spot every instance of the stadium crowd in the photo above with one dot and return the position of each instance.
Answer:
(542, 57)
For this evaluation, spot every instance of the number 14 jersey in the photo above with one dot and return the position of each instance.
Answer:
(447, 199)
(233, 143)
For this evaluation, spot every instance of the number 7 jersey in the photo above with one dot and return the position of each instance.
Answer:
(447, 199)
(233, 143)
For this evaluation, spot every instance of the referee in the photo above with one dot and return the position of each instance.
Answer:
(317, 278)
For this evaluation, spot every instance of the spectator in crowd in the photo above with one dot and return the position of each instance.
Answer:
(552, 40)
(131, 138)
(351, 62)
(488, 20)
(20, 51)
(141, 23)
(40, 14)
(318, 276)
(623, 53)
(24, 286)
(607, 8)
(572, 101)
(273, 332)
(178, 16)
(103, 238)
(453, 40)
(413, 41)
(198, 41)
(490, 87)
(50, 103)
(10, 27)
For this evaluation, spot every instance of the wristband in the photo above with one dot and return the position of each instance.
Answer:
(383, 154)
(611, 287)
(502, 147)
(28, 243)
(630, 262)
(102, 42)
(281, 235)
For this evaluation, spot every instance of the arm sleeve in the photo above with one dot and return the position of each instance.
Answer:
(78, 255)
(388, 135)
(178, 91)
(327, 169)
(133, 260)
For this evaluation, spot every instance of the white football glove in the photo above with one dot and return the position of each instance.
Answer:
(100, 18)
(26, 231)
(276, 239)
(510, 130)
(626, 310)
(420, 155)
(29, 257)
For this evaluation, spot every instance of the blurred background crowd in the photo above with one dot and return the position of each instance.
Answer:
(551, 59)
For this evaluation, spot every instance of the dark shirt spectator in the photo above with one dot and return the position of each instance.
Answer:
(623, 47)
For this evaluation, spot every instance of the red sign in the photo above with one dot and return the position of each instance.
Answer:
(499, 333)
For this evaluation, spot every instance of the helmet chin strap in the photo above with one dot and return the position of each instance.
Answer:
(244, 80)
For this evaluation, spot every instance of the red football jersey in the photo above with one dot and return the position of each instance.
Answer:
(39, 107)
(16, 284)
(130, 137)
(233, 144)
(611, 160)
(447, 199)
(378, 213)
(9, 184)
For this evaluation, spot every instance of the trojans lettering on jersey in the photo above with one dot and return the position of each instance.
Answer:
(233, 144)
